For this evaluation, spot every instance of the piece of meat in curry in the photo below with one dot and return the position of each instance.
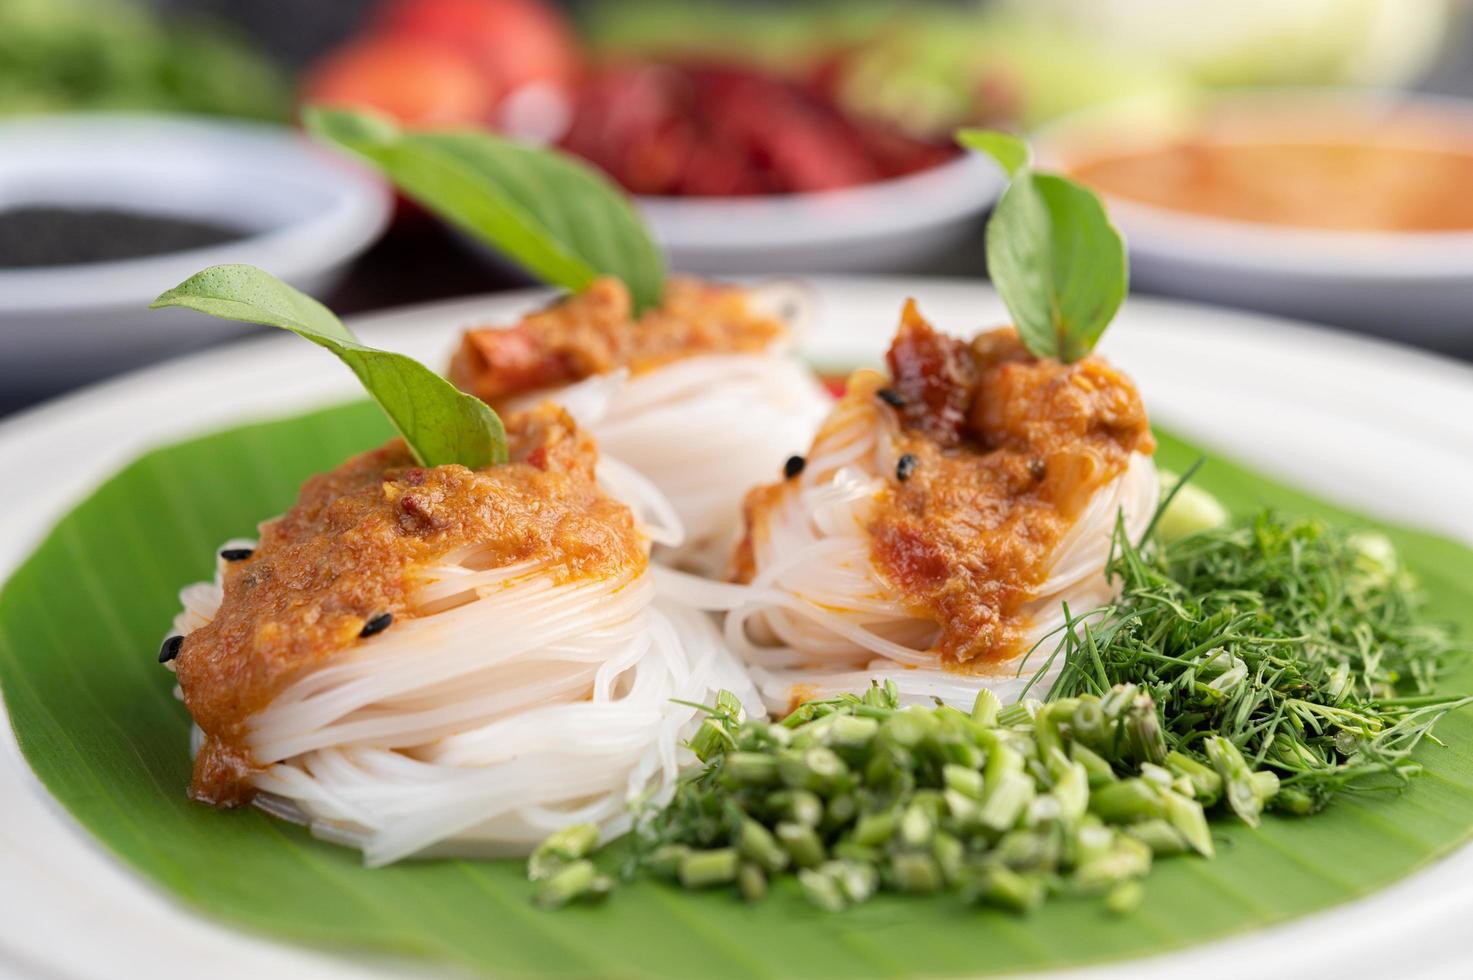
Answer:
(595, 331)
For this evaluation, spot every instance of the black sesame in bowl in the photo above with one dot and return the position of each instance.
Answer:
(40, 235)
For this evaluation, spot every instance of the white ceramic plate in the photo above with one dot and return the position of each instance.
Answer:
(899, 224)
(305, 212)
(1403, 285)
(1359, 422)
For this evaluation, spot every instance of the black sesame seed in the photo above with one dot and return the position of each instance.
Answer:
(891, 397)
(377, 624)
(793, 467)
(1037, 468)
(237, 554)
(904, 467)
(170, 649)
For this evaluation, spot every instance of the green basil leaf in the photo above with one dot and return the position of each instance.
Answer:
(1010, 152)
(1055, 258)
(440, 423)
(560, 219)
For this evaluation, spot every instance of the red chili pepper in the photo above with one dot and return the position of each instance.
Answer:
(718, 130)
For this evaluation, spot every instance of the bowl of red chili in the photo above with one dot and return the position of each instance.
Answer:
(740, 169)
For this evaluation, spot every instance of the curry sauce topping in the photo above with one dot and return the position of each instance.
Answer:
(595, 332)
(996, 454)
(341, 564)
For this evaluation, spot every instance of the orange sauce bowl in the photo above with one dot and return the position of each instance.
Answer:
(1352, 208)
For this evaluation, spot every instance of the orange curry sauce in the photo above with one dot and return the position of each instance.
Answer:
(347, 552)
(594, 332)
(1004, 451)
(1397, 172)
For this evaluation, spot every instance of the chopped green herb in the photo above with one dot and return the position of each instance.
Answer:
(1285, 665)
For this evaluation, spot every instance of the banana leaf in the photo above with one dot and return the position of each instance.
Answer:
(80, 625)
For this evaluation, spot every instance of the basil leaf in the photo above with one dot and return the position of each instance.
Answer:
(1055, 258)
(440, 423)
(1010, 152)
(560, 219)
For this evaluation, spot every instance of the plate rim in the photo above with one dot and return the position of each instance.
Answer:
(951, 191)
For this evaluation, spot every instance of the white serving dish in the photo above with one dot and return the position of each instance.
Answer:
(895, 225)
(307, 210)
(1366, 421)
(1412, 286)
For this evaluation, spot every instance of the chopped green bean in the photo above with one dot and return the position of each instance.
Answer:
(822, 890)
(1007, 889)
(751, 882)
(1160, 836)
(1125, 897)
(560, 848)
(802, 844)
(703, 869)
(963, 780)
(916, 872)
(875, 829)
(1246, 667)
(757, 844)
(569, 883)
(858, 880)
(985, 708)
(750, 769)
(797, 806)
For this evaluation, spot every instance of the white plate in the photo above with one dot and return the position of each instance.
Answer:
(1403, 285)
(1363, 423)
(306, 212)
(898, 224)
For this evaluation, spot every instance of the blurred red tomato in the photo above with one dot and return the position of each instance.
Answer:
(417, 82)
(514, 42)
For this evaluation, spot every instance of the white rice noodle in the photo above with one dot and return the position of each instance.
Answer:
(817, 619)
(703, 429)
(508, 706)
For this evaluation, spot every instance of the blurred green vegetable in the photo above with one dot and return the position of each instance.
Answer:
(933, 71)
(776, 36)
(1258, 42)
(929, 68)
(926, 68)
(65, 55)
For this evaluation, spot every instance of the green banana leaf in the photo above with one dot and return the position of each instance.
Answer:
(80, 625)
